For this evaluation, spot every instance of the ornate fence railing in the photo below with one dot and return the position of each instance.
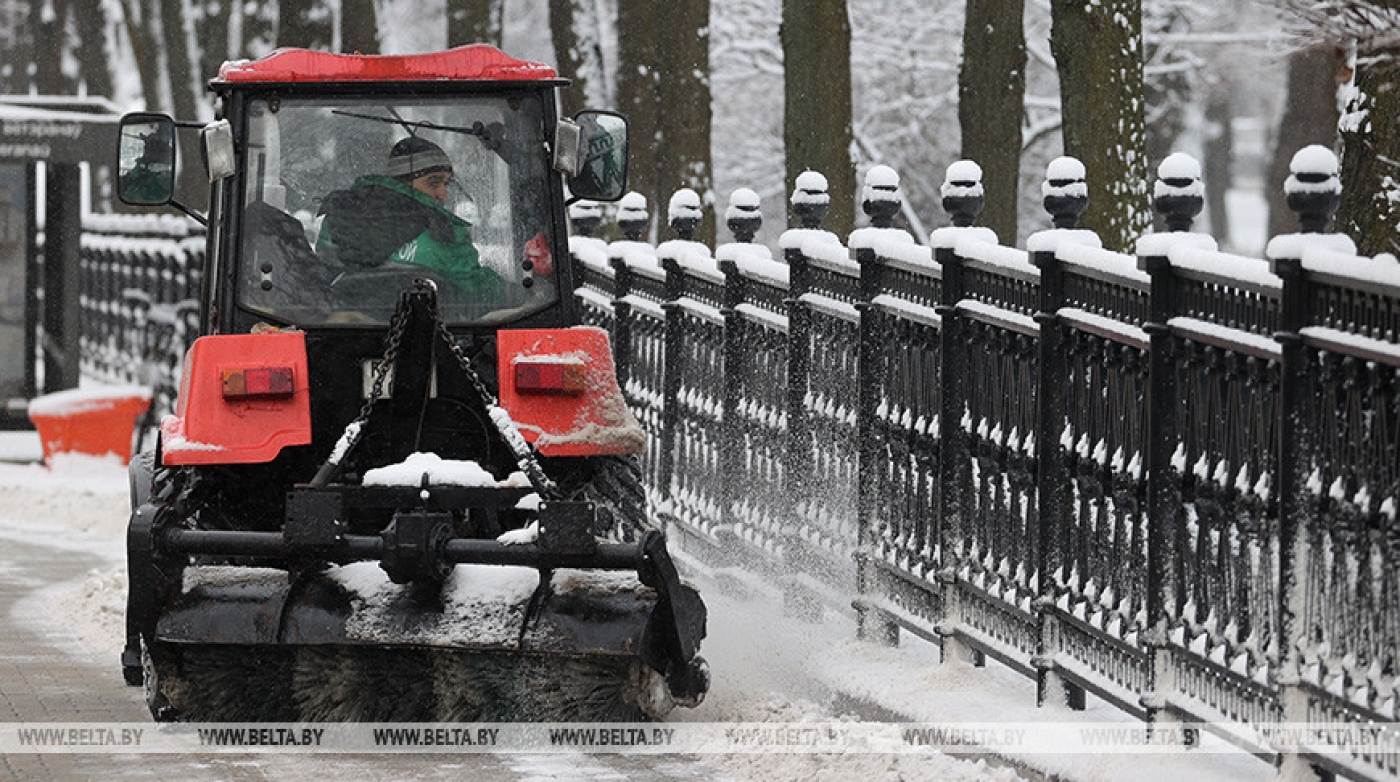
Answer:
(138, 300)
(1168, 479)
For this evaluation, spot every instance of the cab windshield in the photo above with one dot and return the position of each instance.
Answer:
(347, 201)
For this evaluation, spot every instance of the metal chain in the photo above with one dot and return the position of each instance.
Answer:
(381, 374)
(524, 457)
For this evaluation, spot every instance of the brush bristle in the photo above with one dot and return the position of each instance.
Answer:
(220, 683)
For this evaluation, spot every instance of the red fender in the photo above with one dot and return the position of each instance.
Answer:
(560, 387)
(243, 398)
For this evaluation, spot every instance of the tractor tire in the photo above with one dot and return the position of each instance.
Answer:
(614, 485)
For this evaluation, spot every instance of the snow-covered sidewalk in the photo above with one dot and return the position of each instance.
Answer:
(768, 668)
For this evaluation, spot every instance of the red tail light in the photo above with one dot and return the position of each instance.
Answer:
(258, 383)
(550, 377)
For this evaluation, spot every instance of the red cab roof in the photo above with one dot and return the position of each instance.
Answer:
(475, 62)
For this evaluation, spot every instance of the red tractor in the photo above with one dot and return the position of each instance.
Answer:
(400, 482)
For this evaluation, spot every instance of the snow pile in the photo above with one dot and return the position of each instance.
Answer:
(76, 401)
(962, 180)
(438, 471)
(1064, 178)
(810, 188)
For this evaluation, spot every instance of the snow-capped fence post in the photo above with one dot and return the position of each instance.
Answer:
(1178, 194)
(1163, 493)
(632, 220)
(881, 201)
(1064, 198)
(1213, 431)
(810, 203)
(585, 218)
(1315, 371)
(732, 454)
(756, 375)
(954, 456)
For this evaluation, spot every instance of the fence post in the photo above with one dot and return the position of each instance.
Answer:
(633, 220)
(1314, 196)
(1066, 197)
(954, 462)
(1163, 492)
(881, 202)
(810, 203)
(672, 346)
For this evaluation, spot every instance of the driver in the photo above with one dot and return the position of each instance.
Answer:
(400, 217)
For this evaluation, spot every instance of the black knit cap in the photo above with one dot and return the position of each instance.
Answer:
(413, 157)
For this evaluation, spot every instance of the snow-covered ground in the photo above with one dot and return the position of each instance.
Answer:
(768, 668)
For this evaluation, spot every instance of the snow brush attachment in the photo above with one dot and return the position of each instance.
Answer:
(414, 624)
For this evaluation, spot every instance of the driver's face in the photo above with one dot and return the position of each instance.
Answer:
(434, 184)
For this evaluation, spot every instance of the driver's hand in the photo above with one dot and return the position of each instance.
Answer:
(537, 256)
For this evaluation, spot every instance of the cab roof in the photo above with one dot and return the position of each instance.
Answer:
(474, 62)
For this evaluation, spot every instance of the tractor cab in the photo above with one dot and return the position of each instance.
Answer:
(317, 222)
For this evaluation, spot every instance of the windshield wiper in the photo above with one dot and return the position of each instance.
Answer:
(491, 134)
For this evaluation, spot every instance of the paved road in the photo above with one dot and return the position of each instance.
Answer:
(47, 676)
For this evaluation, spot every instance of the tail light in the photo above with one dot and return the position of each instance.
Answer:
(258, 383)
(567, 377)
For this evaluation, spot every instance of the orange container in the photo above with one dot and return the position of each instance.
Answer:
(91, 421)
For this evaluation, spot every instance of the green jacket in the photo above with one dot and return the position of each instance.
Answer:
(381, 220)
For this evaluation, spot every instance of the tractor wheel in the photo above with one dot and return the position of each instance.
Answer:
(614, 485)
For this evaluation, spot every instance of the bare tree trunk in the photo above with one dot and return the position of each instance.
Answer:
(991, 95)
(304, 23)
(359, 27)
(48, 49)
(1218, 166)
(1097, 48)
(473, 21)
(576, 29)
(1370, 208)
(211, 29)
(817, 134)
(93, 69)
(184, 102)
(142, 29)
(1309, 117)
(637, 91)
(683, 156)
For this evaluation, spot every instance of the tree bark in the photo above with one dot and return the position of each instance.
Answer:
(303, 23)
(473, 21)
(637, 91)
(576, 29)
(1309, 117)
(1098, 54)
(1370, 130)
(359, 27)
(140, 19)
(1218, 165)
(211, 28)
(48, 49)
(186, 88)
(817, 134)
(991, 95)
(683, 156)
(93, 69)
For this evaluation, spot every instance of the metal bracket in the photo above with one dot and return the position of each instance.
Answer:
(314, 519)
(568, 527)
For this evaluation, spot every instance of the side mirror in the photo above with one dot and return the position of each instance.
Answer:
(602, 164)
(146, 159)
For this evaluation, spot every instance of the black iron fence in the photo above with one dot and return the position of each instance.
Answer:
(1168, 479)
(139, 296)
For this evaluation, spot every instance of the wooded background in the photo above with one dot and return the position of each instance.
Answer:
(748, 93)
